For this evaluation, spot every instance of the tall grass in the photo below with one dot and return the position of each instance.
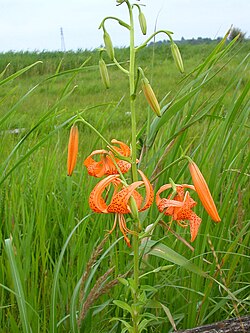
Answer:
(47, 232)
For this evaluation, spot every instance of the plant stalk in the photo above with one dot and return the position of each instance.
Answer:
(134, 168)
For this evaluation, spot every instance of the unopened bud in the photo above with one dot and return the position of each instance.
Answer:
(177, 57)
(72, 149)
(104, 73)
(150, 97)
(108, 45)
(133, 207)
(143, 23)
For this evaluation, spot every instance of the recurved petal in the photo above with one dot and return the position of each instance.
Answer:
(194, 223)
(96, 201)
(188, 202)
(203, 191)
(124, 166)
(104, 166)
(123, 149)
(119, 202)
(161, 189)
(170, 207)
(89, 160)
(149, 192)
(96, 169)
(191, 187)
(165, 203)
(109, 167)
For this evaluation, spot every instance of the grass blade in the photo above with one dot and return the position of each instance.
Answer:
(53, 326)
(162, 251)
(18, 286)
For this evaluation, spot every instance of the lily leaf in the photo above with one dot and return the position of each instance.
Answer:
(123, 305)
(162, 251)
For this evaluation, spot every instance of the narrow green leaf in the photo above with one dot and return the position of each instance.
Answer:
(169, 315)
(18, 286)
(123, 305)
(143, 325)
(53, 326)
(162, 251)
(73, 303)
(18, 73)
(126, 324)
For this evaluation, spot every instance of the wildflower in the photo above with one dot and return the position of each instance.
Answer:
(203, 192)
(180, 207)
(106, 166)
(120, 200)
(72, 149)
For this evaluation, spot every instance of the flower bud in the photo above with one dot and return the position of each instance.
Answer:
(143, 23)
(133, 207)
(72, 149)
(108, 45)
(104, 73)
(203, 191)
(150, 97)
(177, 57)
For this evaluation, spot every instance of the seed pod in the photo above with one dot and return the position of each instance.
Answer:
(150, 97)
(143, 23)
(108, 45)
(177, 57)
(104, 73)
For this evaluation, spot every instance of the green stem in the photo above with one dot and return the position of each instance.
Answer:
(132, 73)
(167, 167)
(93, 129)
(147, 234)
(168, 33)
(124, 24)
(81, 119)
(132, 94)
(120, 67)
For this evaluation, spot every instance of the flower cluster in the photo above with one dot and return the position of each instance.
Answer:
(120, 203)
(112, 194)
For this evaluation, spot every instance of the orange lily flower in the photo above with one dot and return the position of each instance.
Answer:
(72, 149)
(119, 203)
(180, 207)
(106, 166)
(203, 192)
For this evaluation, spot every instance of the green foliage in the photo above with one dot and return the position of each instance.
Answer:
(47, 235)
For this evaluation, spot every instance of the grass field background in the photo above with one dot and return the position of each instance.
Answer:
(48, 232)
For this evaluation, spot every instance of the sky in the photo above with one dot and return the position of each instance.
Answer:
(35, 25)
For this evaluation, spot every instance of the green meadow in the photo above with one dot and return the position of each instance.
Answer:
(49, 270)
